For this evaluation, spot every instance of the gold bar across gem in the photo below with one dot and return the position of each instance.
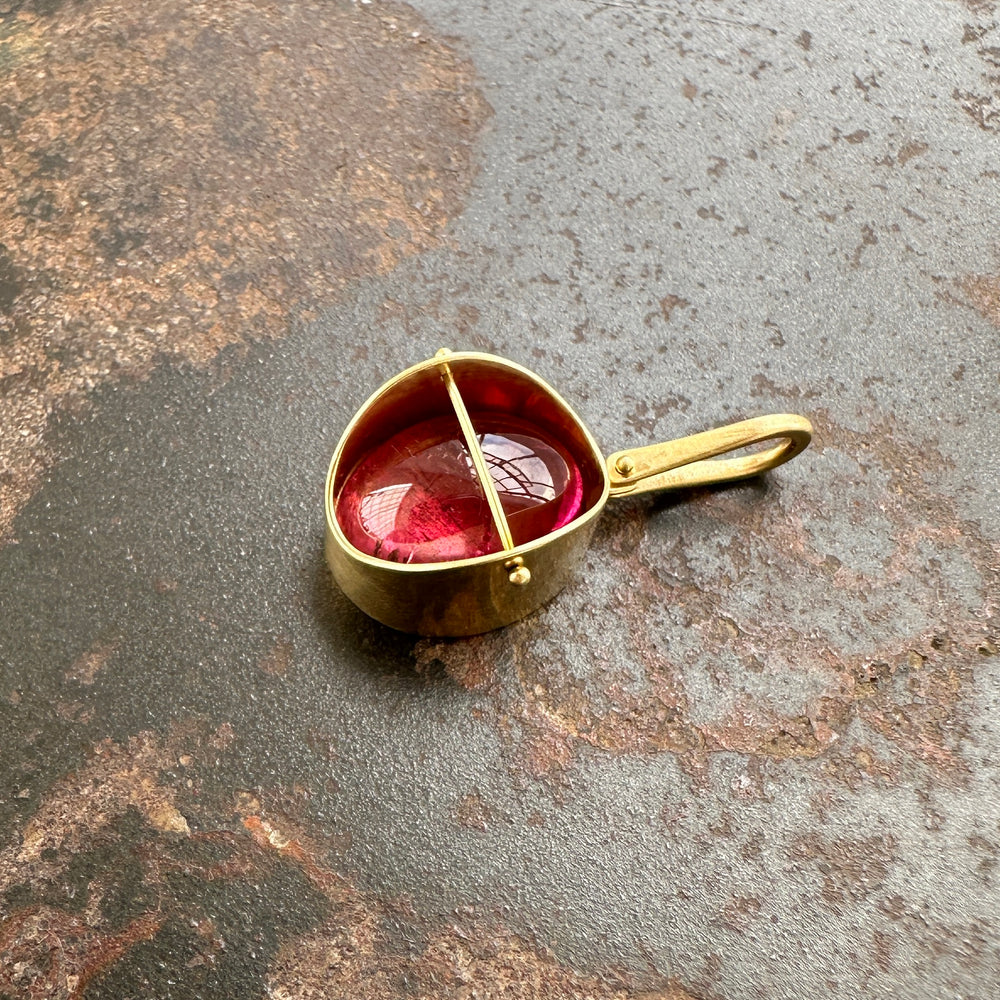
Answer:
(476, 451)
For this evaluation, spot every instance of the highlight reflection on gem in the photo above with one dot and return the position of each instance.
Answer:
(416, 497)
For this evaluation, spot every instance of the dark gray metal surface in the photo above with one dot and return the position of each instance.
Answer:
(751, 752)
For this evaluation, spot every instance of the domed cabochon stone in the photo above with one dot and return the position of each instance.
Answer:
(411, 495)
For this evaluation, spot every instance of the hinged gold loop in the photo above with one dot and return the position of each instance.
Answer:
(690, 461)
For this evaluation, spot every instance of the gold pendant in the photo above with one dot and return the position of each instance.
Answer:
(464, 492)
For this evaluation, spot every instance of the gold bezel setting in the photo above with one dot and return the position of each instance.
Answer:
(469, 596)
(532, 572)
(505, 554)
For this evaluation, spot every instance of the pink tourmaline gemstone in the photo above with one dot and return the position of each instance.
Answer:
(416, 497)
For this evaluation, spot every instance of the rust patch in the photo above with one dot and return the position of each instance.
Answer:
(851, 870)
(84, 668)
(910, 150)
(48, 953)
(545, 751)
(857, 766)
(177, 178)
(457, 963)
(626, 688)
(868, 239)
(982, 292)
(278, 659)
(883, 946)
(470, 663)
(671, 302)
(461, 959)
(644, 416)
(116, 778)
(983, 107)
(983, 7)
(473, 813)
(762, 386)
(740, 912)
(63, 934)
(52, 951)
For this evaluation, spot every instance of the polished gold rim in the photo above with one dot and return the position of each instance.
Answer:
(504, 555)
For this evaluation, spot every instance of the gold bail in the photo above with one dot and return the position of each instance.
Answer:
(690, 461)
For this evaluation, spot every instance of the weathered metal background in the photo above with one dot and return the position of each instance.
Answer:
(752, 752)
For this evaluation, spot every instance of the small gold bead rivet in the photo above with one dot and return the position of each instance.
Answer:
(625, 466)
(518, 573)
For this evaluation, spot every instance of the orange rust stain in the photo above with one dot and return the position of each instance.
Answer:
(859, 766)
(74, 953)
(181, 177)
(278, 659)
(851, 870)
(983, 107)
(671, 302)
(300, 849)
(473, 813)
(545, 750)
(115, 778)
(85, 667)
(910, 150)
(47, 951)
(470, 663)
(979, 6)
(740, 912)
(458, 962)
(884, 945)
(633, 698)
(983, 293)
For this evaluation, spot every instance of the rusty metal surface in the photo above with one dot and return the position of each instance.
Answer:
(182, 178)
(751, 752)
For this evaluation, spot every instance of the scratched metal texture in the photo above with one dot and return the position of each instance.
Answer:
(751, 752)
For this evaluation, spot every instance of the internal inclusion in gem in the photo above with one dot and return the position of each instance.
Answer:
(416, 497)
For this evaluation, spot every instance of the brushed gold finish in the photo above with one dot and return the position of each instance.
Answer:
(469, 596)
(464, 597)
